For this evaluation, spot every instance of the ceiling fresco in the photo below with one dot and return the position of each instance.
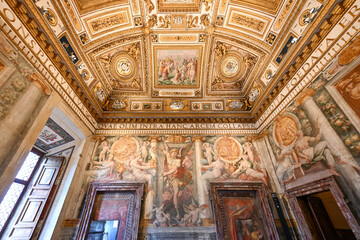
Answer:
(179, 58)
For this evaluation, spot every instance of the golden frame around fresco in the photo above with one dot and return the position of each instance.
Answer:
(177, 67)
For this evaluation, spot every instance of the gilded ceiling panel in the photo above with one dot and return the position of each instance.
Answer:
(106, 22)
(86, 6)
(270, 6)
(177, 57)
(235, 65)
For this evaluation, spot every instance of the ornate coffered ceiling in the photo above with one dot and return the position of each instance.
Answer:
(179, 60)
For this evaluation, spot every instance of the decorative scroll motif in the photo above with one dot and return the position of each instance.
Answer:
(178, 38)
(103, 23)
(248, 22)
(192, 21)
(72, 15)
(164, 21)
(220, 49)
(150, 5)
(51, 17)
(283, 14)
(205, 20)
(134, 50)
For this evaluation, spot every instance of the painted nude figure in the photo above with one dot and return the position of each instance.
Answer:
(208, 152)
(105, 148)
(192, 218)
(218, 167)
(310, 155)
(162, 219)
(138, 168)
(175, 174)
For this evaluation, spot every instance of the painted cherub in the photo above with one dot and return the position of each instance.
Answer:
(144, 150)
(192, 218)
(208, 152)
(105, 148)
(162, 219)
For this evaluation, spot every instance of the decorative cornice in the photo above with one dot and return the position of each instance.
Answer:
(304, 48)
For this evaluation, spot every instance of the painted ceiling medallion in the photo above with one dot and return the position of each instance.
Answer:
(123, 67)
(230, 68)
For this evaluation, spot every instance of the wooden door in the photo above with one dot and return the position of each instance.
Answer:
(321, 218)
(36, 198)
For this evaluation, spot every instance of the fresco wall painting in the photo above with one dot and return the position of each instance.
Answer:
(299, 143)
(176, 170)
(316, 146)
(349, 88)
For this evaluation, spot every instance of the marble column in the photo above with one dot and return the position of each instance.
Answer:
(335, 143)
(266, 160)
(203, 197)
(17, 125)
(150, 196)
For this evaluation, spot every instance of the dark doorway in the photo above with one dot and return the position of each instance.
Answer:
(324, 217)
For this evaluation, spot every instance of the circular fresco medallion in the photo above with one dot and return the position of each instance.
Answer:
(231, 67)
(124, 148)
(228, 149)
(123, 67)
(285, 130)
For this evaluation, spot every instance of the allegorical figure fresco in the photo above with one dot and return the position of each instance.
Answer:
(176, 179)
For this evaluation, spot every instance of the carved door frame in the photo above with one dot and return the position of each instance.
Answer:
(135, 188)
(315, 187)
(222, 227)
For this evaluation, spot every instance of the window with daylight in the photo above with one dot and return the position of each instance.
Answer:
(18, 188)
